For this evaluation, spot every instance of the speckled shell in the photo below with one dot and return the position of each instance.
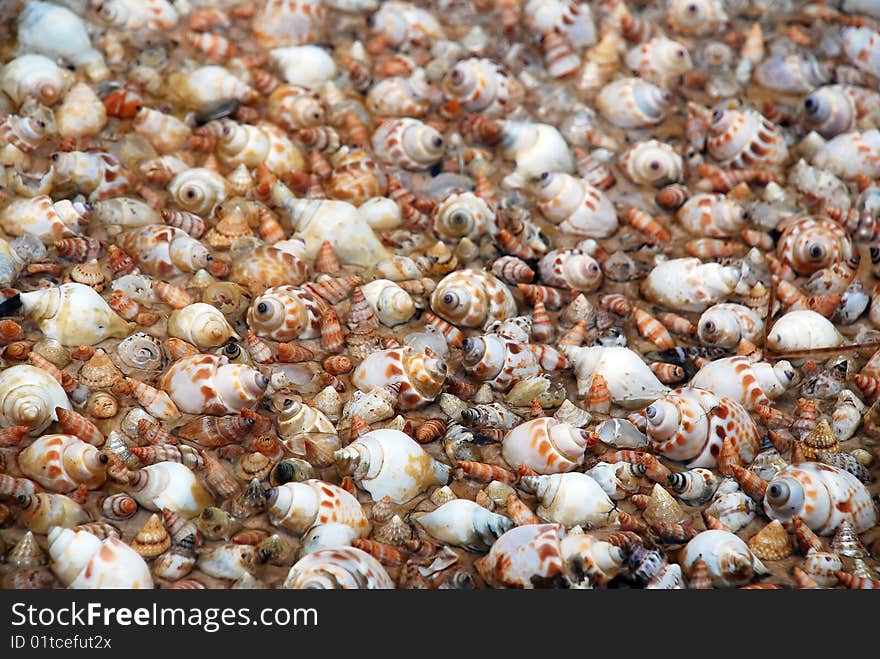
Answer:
(498, 360)
(463, 523)
(822, 495)
(407, 143)
(80, 113)
(392, 304)
(81, 560)
(688, 284)
(209, 86)
(481, 85)
(341, 568)
(630, 381)
(690, 424)
(285, 313)
(198, 190)
(695, 17)
(713, 215)
(803, 330)
(632, 103)
(209, 384)
(289, 22)
(58, 33)
(299, 506)
(809, 244)
(33, 75)
(463, 215)
(572, 19)
(41, 217)
(536, 148)
(522, 554)
(545, 445)
(654, 163)
(390, 463)
(570, 269)
(747, 383)
(571, 499)
(862, 47)
(73, 314)
(745, 138)
(355, 178)
(729, 559)
(850, 154)
(164, 251)
(420, 377)
(61, 463)
(269, 266)
(578, 207)
(472, 298)
(404, 26)
(200, 324)
(170, 485)
(726, 324)
(293, 107)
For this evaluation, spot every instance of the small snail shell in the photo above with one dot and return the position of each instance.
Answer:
(299, 418)
(63, 462)
(545, 445)
(392, 304)
(696, 17)
(408, 143)
(581, 208)
(463, 215)
(389, 463)
(618, 480)
(307, 66)
(81, 112)
(792, 74)
(82, 560)
(498, 360)
(536, 148)
(688, 284)
(293, 107)
(570, 269)
(847, 415)
(41, 511)
(125, 212)
(58, 33)
(209, 86)
(339, 568)
(630, 381)
(747, 383)
(480, 85)
(229, 561)
(285, 313)
(300, 506)
(571, 499)
(28, 397)
(729, 559)
(420, 377)
(713, 215)
(33, 76)
(650, 162)
(573, 20)
(198, 190)
(691, 424)
(40, 217)
(289, 22)
(355, 178)
(726, 324)
(850, 154)
(209, 384)
(165, 132)
(164, 251)
(810, 244)
(97, 174)
(822, 495)
(745, 138)
(658, 60)
(140, 352)
(401, 97)
(463, 523)
(131, 15)
(695, 486)
(169, 485)
(404, 26)
(327, 536)
(835, 109)
(632, 103)
(803, 330)
(472, 298)
(200, 324)
(862, 47)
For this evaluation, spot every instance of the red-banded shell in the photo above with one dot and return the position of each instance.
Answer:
(809, 244)
(713, 215)
(748, 384)
(355, 178)
(285, 313)
(745, 138)
(471, 298)
(408, 143)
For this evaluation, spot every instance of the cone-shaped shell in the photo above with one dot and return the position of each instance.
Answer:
(153, 539)
(846, 542)
(771, 543)
(26, 554)
(663, 508)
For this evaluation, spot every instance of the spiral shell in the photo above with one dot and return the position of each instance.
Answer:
(140, 352)
(743, 139)
(691, 424)
(28, 397)
(166, 133)
(803, 330)
(407, 143)
(34, 76)
(654, 163)
(850, 155)
(471, 298)
(285, 313)
(862, 47)
(498, 360)
(198, 190)
(695, 17)
(209, 384)
(169, 485)
(463, 215)
(480, 85)
(41, 217)
(545, 445)
(578, 207)
(725, 325)
(343, 568)
(688, 284)
(463, 523)
(822, 496)
(389, 463)
(809, 244)
(571, 499)
(573, 20)
(404, 26)
(536, 148)
(835, 109)
(299, 506)
(570, 269)
(41, 511)
(58, 33)
(712, 215)
(632, 103)
(728, 558)
(268, 266)
(792, 74)
(208, 86)
(200, 324)
(357, 179)
(658, 60)
(392, 304)
(747, 383)
(401, 97)
(62, 463)
(164, 251)
(81, 560)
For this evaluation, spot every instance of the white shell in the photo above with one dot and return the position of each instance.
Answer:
(545, 445)
(573, 19)
(747, 383)
(630, 382)
(28, 397)
(81, 560)
(850, 154)
(339, 568)
(171, 485)
(41, 217)
(572, 499)
(862, 47)
(200, 324)
(33, 76)
(803, 330)
(729, 559)
(198, 190)
(463, 523)
(209, 85)
(61, 463)
(536, 148)
(327, 536)
(58, 33)
(581, 208)
(81, 112)
(632, 103)
(392, 304)
(688, 284)
(73, 314)
(381, 213)
(300, 506)
(309, 66)
(653, 163)
(727, 324)
(166, 133)
(658, 60)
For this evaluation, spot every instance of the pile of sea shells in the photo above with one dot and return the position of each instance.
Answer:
(455, 294)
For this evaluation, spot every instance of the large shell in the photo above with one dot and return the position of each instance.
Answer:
(849, 155)
(651, 162)
(58, 33)
(208, 86)
(688, 284)
(862, 47)
(408, 143)
(34, 76)
(169, 485)
(198, 190)
(631, 383)
(62, 463)
(633, 103)
(659, 59)
(745, 138)
(200, 324)
(545, 445)
(41, 217)
(471, 298)
(536, 148)
(82, 560)
(29, 397)
(578, 207)
(357, 179)
(570, 269)
(729, 559)
(691, 424)
(803, 330)
(268, 266)
(210, 384)
(792, 74)
(463, 523)
(73, 314)
(463, 215)
(524, 555)
(571, 499)
(338, 568)
(749, 384)
(41, 511)
(696, 17)
(480, 85)
(164, 251)
(389, 463)
(299, 506)
(289, 22)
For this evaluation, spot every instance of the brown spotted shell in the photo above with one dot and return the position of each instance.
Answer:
(420, 377)
(809, 244)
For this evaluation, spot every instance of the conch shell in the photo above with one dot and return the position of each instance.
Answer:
(463, 523)
(631, 382)
(571, 499)
(688, 284)
(210, 384)
(749, 384)
(63, 462)
(74, 314)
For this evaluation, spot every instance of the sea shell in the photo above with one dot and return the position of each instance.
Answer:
(695, 18)
(208, 86)
(392, 304)
(389, 463)
(651, 162)
(297, 506)
(687, 284)
(210, 384)
(463, 523)
(771, 543)
(749, 384)
(407, 143)
(712, 215)
(570, 269)
(338, 568)
(835, 109)
(578, 207)
(58, 311)
(420, 377)
(728, 558)
(536, 148)
(745, 138)
(169, 485)
(571, 499)
(792, 74)
(200, 324)
(658, 60)
(307, 65)
(545, 446)
(850, 154)
(862, 47)
(358, 179)
(198, 190)
(61, 463)
(33, 75)
(803, 330)
(288, 22)
(725, 325)
(573, 20)
(82, 561)
(41, 217)
(696, 486)
(471, 298)
(480, 85)
(41, 511)
(29, 397)
(632, 103)
(463, 215)
(403, 25)
(630, 381)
